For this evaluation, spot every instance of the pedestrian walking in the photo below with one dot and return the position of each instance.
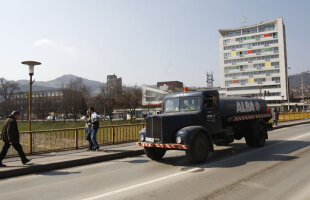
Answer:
(275, 116)
(10, 136)
(88, 130)
(94, 127)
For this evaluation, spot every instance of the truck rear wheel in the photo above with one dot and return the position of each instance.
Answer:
(154, 153)
(257, 136)
(199, 149)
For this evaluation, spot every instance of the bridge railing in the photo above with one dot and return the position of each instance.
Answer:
(283, 117)
(40, 141)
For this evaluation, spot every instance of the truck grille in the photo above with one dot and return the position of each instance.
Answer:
(153, 127)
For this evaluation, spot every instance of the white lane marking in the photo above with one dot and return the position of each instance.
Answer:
(281, 129)
(140, 185)
(188, 171)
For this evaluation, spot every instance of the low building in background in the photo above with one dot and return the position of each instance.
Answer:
(43, 102)
(153, 95)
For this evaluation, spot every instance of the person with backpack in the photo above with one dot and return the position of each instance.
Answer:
(10, 136)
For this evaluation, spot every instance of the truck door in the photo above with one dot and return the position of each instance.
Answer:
(211, 112)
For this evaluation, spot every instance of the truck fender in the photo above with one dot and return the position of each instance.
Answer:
(188, 133)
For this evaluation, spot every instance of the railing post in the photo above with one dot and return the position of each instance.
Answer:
(30, 143)
(113, 135)
(76, 133)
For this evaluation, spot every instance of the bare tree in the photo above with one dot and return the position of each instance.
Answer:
(130, 99)
(103, 102)
(7, 90)
(42, 105)
(74, 95)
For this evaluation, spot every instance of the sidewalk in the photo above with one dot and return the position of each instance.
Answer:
(291, 123)
(66, 159)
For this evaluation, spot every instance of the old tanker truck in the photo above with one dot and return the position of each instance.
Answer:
(196, 120)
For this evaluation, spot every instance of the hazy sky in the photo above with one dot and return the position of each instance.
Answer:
(142, 41)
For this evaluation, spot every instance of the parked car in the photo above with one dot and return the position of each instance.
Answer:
(129, 117)
(50, 117)
(104, 117)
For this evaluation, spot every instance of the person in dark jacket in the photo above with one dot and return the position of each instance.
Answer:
(10, 136)
(275, 116)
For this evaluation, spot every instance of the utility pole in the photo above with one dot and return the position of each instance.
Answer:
(302, 91)
(288, 90)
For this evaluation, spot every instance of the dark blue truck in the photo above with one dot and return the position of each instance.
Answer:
(196, 120)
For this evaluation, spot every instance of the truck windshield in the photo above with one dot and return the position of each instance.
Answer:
(182, 104)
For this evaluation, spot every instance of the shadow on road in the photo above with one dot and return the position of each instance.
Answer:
(238, 154)
(138, 161)
(57, 173)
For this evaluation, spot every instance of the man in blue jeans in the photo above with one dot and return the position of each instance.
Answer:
(94, 127)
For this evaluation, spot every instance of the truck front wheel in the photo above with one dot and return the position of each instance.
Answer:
(257, 136)
(154, 153)
(199, 149)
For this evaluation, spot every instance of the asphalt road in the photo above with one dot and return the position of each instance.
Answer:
(280, 170)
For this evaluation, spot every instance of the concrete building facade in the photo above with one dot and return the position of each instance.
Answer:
(253, 61)
(113, 86)
(153, 95)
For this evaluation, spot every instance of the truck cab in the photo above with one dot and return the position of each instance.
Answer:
(191, 121)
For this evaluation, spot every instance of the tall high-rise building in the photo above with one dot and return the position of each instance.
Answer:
(113, 86)
(253, 61)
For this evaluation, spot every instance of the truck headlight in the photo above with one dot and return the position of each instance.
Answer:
(179, 140)
(141, 138)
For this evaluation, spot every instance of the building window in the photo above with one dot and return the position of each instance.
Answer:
(267, 27)
(226, 41)
(249, 31)
(233, 33)
(250, 45)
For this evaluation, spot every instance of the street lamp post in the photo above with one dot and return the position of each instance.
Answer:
(31, 65)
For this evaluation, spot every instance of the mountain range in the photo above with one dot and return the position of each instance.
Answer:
(58, 83)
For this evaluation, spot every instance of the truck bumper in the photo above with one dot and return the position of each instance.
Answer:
(164, 146)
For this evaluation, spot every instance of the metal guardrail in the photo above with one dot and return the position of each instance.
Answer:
(73, 138)
(283, 117)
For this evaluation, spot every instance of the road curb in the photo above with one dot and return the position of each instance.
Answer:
(289, 125)
(67, 164)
